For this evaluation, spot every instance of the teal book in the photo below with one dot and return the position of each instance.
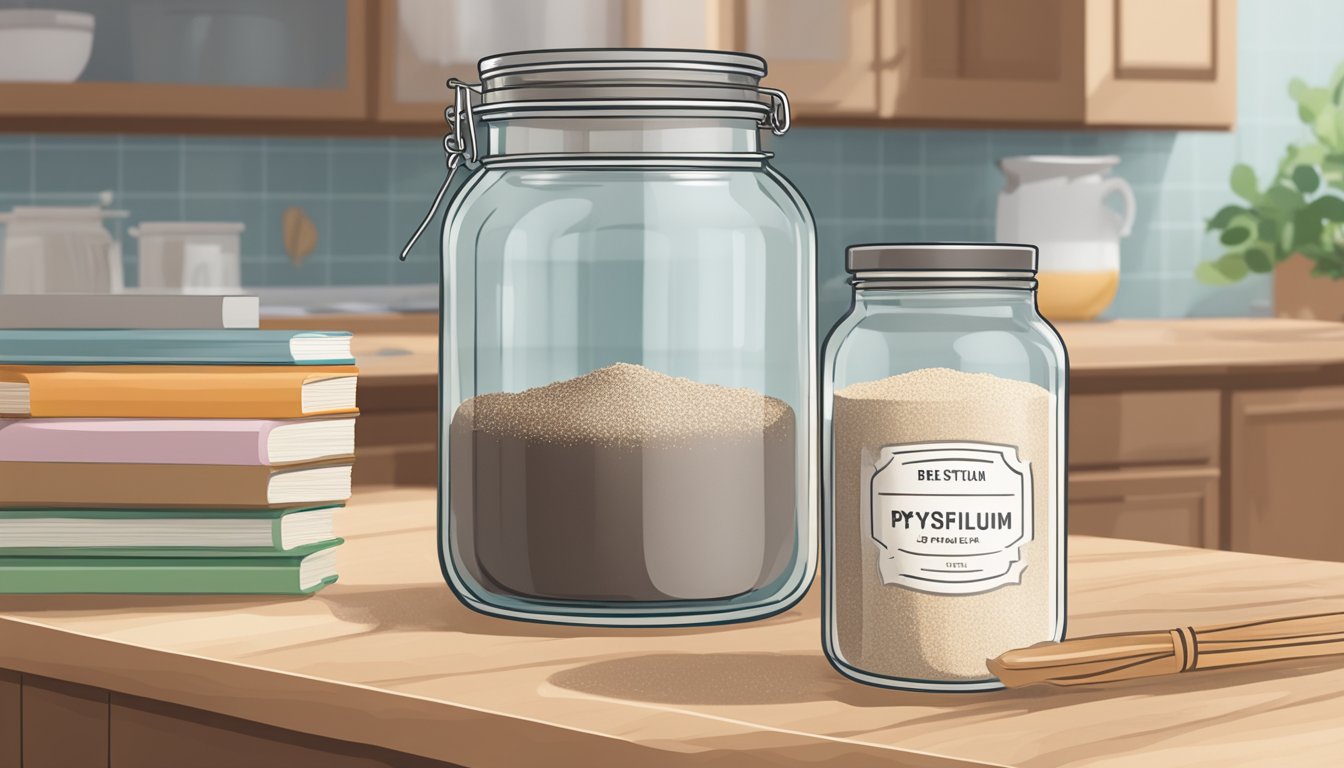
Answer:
(174, 347)
(173, 571)
(106, 532)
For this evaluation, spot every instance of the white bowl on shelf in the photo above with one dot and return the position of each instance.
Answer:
(44, 46)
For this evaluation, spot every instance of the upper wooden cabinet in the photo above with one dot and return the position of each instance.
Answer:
(157, 63)
(1093, 62)
(380, 66)
(425, 42)
(1161, 62)
(983, 60)
(824, 55)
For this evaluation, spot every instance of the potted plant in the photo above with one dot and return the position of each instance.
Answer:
(1293, 225)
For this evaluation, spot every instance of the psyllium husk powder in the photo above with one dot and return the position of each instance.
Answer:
(624, 484)
(930, 462)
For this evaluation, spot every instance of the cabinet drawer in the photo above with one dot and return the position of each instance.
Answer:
(1169, 505)
(1144, 428)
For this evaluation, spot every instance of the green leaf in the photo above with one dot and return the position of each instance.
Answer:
(1207, 272)
(1310, 101)
(1244, 183)
(1235, 235)
(1309, 154)
(1307, 229)
(1316, 252)
(1223, 271)
(1283, 199)
(1329, 127)
(1286, 237)
(1337, 84)
(1231, 266)
(1224, 216)
(1258, 261)
(1332, 168)
(1267, 231)
(1305, 179)
(1327, 207)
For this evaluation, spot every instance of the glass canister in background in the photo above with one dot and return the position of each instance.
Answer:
(627, 344)
(944, 407)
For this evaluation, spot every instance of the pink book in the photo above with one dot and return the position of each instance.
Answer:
(250, 442)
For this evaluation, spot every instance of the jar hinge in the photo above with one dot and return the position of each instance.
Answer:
(455, 149)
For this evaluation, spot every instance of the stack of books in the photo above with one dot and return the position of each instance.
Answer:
(164, 444)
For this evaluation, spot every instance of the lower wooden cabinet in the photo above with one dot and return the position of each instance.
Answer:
(11, 719)
(46, 723)
(1284, 472)
(1252, 467)
(1170, 505)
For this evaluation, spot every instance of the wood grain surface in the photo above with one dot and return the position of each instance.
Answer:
(388, 657)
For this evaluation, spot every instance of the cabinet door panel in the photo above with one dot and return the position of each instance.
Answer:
(1167, 505)
(222, 66)
(64, 724)
(824, 55)
(1284, 473)
(11, 704)
(1132, 428)
(1161, 62)
(983, 60)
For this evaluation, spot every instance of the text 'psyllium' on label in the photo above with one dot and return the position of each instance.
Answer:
(950, 517)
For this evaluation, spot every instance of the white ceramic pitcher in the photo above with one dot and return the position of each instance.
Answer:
(1058, 203)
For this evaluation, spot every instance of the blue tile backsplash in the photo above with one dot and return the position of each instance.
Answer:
(366, 195)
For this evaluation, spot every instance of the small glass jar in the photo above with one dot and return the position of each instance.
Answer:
(944, 408)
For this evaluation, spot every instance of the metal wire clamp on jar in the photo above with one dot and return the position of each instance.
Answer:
(628, 311)
(944, 406)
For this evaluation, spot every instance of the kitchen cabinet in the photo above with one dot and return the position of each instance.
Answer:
(1161, 62)
(423, 43)
(1170, 505)
(983, 61)
(1101, 62)
(381, 66)
(1215, 433)
(57, 724)
(824, 55)
(179, 64)
(1145, 465)
(1284, 472)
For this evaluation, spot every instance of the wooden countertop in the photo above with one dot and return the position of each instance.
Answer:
(1207, 348)
(387, 656)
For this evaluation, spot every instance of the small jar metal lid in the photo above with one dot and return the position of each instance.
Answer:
(941, 257)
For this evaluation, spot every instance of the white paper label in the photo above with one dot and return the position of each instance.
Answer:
(950, 517)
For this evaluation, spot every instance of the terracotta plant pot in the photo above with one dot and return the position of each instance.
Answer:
(1299, 295)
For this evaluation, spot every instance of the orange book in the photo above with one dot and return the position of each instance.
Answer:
(177, 391)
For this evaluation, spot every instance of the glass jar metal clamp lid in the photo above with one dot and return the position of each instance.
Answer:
(604, 82)
(943, 446)
(628, 317)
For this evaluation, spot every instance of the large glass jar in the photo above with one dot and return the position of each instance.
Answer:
(627, 364)
(944, 404)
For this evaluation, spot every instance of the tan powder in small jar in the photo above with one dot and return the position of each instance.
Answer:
(936, 420)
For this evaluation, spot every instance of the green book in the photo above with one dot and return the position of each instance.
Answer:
(172, 571)
(92, 532)
(174, 347)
